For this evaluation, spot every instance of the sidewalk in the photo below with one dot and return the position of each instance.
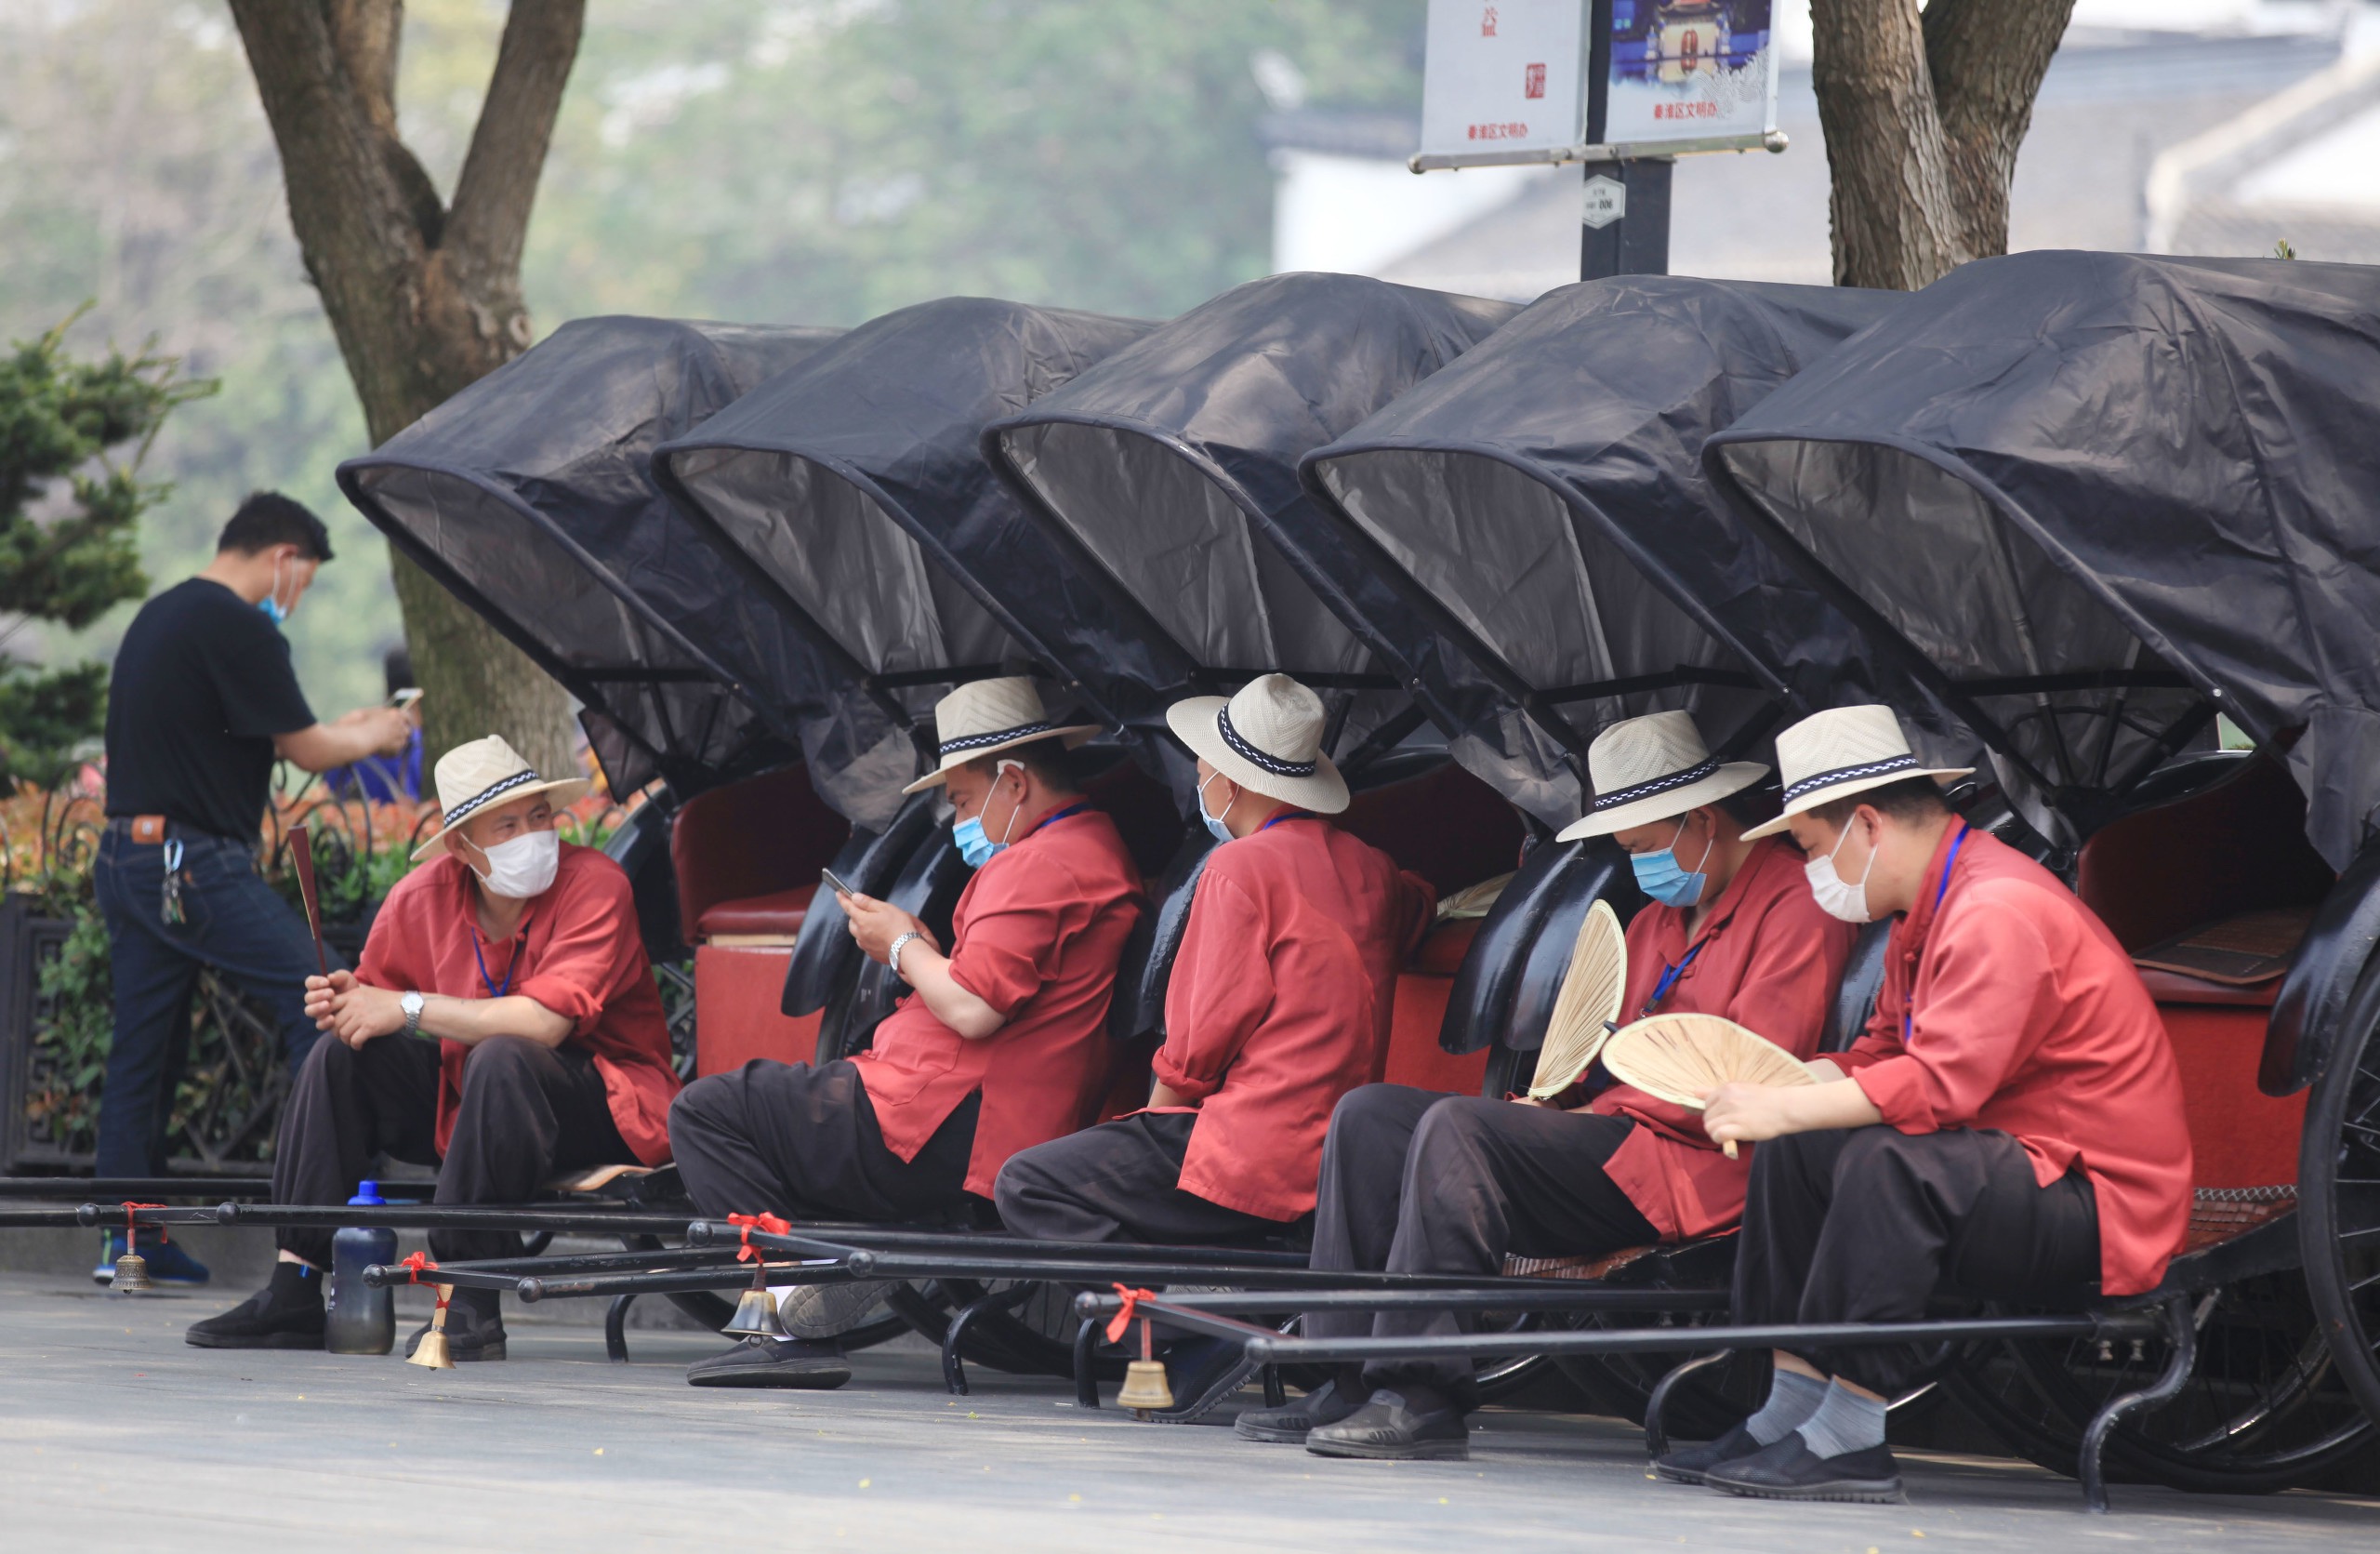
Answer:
(113, 1432)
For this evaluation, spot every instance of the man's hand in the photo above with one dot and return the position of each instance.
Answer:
(354, 1011)
(874, 924)
(1746, 1113)
(389, 727)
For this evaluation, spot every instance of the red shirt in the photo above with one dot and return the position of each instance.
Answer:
(577, 952)
(2030, 1019)
(1769, 961)
(1037, 936)
(1281, 999)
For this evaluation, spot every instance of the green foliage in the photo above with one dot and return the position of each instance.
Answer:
(77, 1017)
(59, 420)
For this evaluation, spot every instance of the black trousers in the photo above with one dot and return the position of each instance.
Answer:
(529, 1110)
(1865, 1224)
(799, 1140)
(1419, 1182)
(1119, 1181)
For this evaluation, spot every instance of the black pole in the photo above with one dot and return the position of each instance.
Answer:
(1624, 229)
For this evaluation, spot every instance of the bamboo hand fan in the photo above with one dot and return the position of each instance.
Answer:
(1589, 1003)
(1676, 1057)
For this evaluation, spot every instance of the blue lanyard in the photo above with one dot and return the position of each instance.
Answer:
(1056, 815)
(1288, 815)
(1669, 978)
(1909, 1016)
(489, 982)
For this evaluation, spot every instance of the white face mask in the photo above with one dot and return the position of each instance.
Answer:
(1836, 897)
(522, 867)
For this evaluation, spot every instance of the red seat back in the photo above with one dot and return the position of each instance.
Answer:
(758, 837)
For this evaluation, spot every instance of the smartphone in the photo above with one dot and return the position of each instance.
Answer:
(405, 698)
(826, 878)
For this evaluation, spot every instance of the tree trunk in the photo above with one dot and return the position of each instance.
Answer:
(424, 298)
(1924, 116)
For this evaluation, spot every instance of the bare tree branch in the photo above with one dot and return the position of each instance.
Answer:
(490, 218)
(364, 36)
(1987, 58)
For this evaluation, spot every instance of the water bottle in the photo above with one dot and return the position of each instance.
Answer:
(360, 1320)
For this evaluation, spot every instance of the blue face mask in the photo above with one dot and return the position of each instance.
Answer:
(275, 610)
(974, 848)
(1659, 876)
(1215, 823)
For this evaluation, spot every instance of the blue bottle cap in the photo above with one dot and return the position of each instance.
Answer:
(367, 1194)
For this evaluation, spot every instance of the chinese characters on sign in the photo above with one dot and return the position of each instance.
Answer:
(1690, 70)
(1504, 77)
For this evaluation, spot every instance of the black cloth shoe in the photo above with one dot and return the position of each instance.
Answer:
(800, 1362)
(1687, 1464)
(286, 1314)
(1388, 1428)
(1790, 1470)
(474, 1328)
(1288, 1424)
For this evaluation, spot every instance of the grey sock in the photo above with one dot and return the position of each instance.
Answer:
(1844, 1422)
(1792, 1398)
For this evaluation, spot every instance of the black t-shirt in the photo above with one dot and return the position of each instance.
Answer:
(202, 684)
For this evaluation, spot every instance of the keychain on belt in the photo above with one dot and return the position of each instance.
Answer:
(170, 908)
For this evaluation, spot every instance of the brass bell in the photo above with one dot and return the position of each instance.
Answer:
(131, 1275)
(432, 1351)
(756, 1317)
(1144, 1387)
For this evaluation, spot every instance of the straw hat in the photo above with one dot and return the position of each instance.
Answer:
(1268, 739)
(985, 716)
(482, 775)
(1654, 769)
(1841, 751)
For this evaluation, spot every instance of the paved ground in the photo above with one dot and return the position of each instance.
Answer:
(114, 1433)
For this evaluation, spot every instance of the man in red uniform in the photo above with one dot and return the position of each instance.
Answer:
(1280, 1003)
(518, 956)
(1424, 1183)
(1001, 1046)
(2010, 1127)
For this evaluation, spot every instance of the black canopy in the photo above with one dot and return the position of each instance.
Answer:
(838, 492)
(2095, 498)
(1162, 473)
(529, 496)
(1493, 531)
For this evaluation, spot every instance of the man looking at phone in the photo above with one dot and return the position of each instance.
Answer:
(503, 1025)
(1002, 1045)
(202, 702)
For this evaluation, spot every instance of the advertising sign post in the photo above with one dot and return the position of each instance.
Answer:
(1625, 86)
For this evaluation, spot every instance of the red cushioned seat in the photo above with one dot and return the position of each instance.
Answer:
(2172, 987)
(778, 914)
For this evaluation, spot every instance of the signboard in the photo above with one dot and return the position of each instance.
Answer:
(1690, 70)
(1506, 81)
(1503, 77)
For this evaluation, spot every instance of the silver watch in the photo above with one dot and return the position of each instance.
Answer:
(892, 956)
(411, 1004)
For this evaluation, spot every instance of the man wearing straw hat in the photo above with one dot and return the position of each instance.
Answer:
(1424, 1183)
(1280, 999)
(1002, 1045)
(503, 1025)
(2009, 1127)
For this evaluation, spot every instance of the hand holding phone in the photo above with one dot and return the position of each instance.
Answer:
(826, 877)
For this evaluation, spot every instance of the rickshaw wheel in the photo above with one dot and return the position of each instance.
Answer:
(2338, 1186)
(2263, 1409)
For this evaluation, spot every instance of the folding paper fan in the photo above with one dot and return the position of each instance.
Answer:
(1678, 1057)
(1589, 1003)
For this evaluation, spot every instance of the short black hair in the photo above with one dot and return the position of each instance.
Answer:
(1047, 758)
(1908, 800)
(268, 518)
(396, 668)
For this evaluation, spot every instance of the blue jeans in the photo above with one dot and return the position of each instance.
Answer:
(234, 922)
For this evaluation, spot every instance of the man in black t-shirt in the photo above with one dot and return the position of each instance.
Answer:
(202, 702)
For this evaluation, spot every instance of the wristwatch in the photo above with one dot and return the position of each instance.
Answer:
(892, 956)
(411, 1004)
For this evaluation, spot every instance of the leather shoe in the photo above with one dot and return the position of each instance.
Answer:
(1790, 1470)
(1687, 1465)
(1386, 1429)
(1289, 1423)
(789, 1362)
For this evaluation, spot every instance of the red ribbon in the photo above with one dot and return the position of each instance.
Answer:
(768, 1224)
(1123, 1318)
(419, 1263)
(131, 1231)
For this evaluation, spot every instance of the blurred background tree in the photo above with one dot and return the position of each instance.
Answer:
(70, 499)
(806, 161)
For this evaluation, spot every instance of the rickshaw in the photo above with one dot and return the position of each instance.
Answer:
(2096, 504)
